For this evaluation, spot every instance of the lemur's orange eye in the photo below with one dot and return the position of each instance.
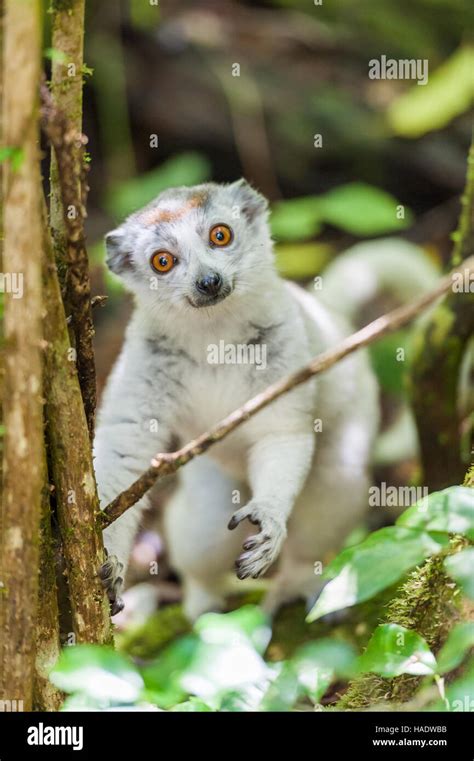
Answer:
(163, 261)
(220, 235)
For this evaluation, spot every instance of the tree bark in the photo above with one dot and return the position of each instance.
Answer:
(46, 697)
(22, 400)
(67, 37)
(77, 504)
(68, 187)
(440, 348)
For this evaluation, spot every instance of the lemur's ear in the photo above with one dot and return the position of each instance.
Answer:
(251, 202)
(119, 256)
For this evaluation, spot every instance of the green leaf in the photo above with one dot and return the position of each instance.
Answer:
(459, 642)
(228, 663)
(358, 208)
(429, 107)
(391, 551)
(296, 219)
(284, 691)
(184, 169)
(246, 624)
(299, 261)
(395, 650)
(362, 210)
(316, 665)
(461, 568)
(98, 673)
(162, 676)
(450, 510)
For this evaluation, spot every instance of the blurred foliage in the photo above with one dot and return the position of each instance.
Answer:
(356, 208)
(448, 93)
(299, 261)
(221, 664)
(183, 169)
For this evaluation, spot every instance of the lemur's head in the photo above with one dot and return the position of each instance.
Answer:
(194, 247)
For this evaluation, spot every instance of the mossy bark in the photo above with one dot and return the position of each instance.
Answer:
(67, 37)
(22, 393)
(72, 470)
(439, 349)
(69, 188)
(46, 697)
(428, 603)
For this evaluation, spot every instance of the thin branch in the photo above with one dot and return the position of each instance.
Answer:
(167, 463)
(66, 141)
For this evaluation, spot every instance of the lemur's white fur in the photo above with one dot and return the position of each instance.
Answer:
(304, 490)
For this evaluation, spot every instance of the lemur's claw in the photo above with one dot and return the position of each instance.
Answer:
(112, 582)
(262, 548)
(117, 606)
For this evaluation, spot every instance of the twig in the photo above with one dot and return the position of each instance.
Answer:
(166, 463)
(65, 140)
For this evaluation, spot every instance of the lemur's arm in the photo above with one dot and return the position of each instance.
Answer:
(278, 466)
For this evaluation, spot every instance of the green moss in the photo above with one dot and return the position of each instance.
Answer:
(427, 602)
(146, 640)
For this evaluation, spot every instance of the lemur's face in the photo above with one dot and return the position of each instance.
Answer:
(194, 247)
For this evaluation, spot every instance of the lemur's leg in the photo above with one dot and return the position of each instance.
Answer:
(201, 548)
(122, 452)
(332, 502)
(278, 466)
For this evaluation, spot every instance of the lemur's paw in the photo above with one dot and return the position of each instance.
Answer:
(112, 582)
(261, 549)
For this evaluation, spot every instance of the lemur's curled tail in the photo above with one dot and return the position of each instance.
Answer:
(356, 279)
(366, 270)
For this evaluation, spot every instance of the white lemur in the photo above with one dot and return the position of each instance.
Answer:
(200, 263)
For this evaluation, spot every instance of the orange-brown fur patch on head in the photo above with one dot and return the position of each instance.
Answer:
(159, 214)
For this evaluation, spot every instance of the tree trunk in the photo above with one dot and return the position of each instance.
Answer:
(67, 36)
(441, 345)
(68, 190)
(72, 472)
(22, 400)
(46, 697)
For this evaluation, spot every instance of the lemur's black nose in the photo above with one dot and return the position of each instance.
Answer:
(209, 284)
